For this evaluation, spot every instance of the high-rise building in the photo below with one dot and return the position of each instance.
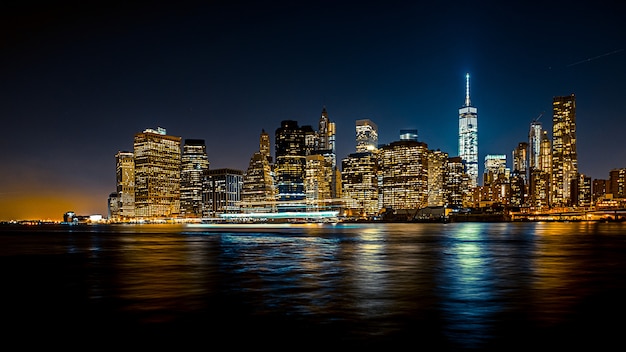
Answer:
(194, 165)
(290, 161)
(564, 156)
(359, 179)
(157, 174)
(468, 136)
(125, 181)
(326, 148)
(541, 175)
(534, 142)
(366, 136)
(223, 191)
(404, 168)
(616, 185)
(318, 181)
(457, 183)
(258, 193)
(437, 166)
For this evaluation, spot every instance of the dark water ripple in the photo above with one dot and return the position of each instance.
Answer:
(461, 286)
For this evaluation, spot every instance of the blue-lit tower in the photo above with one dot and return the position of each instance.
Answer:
(468, 136)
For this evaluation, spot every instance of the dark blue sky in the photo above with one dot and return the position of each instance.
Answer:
(78, 81)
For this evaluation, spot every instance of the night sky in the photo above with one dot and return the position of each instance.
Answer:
(78, 81)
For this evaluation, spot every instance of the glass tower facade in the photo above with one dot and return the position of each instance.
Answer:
(194, 165)
(125, 177)
(468, 136)
(290, 161)
(157, 174)
(366, 136)
(564, 156)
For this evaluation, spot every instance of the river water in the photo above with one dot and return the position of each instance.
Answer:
(456, 286)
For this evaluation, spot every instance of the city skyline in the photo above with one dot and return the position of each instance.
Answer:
(74, 95)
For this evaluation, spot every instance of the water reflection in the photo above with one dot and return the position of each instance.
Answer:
(457, 286)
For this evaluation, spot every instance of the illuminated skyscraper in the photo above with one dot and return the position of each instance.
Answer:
(359, 176)
(468, 136)
(194, 165)
(125, 177)
(290, 161)
(534, 142)
(366, 136)
(564, 157)
(457, 183)
(437, 166)
(541, 175)
(223, 191)
(404, 168)
(157, 174)
(258, 191)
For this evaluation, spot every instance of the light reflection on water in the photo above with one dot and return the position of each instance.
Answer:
(457, 286)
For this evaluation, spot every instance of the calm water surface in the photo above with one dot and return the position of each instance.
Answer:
(459, 286)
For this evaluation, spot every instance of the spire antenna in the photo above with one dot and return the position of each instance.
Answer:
(467, 91)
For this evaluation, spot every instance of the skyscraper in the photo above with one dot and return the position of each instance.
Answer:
(157, 174)
(404, 169)
(194, 165)
(258, 192)
(125, 175)
(564, 157)
(290, 161)
(468, 136)
(366, 136)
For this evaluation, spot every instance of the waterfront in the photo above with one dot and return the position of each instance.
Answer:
(455, 286)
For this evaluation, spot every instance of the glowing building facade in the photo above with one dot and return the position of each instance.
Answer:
(258, 192)
(157, 174)
(404, 169)
(564, 156)
(223, 191)
(437, 165)
(194, 165)
(125, 181)
(290, 161)
(468, 136)
(359, 179)
(366, 136)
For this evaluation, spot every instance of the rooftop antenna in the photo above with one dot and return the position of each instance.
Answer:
(467, 95)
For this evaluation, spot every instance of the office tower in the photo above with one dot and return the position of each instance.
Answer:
(157, 174)
(495, 168)
(564, 157)
(125, 182)
(457, 183)
(437, 166)
(534, 142)
(541, 176)
(317, 182)
(326, 133)
(404, 168)
(408, 135)
(359, 180)
(326, 148)
(310, 139)
(194, 165)
(258, 193)
(223, 191)
(468, 136)
(496, 179)
(366, 136)
(581, 191)
(519, 176)
(520, 160)
(290, 161)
